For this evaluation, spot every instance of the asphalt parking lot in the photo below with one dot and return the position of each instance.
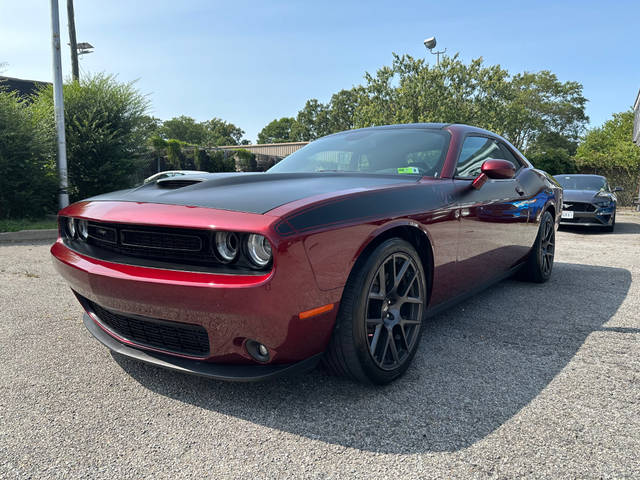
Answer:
(521, 380)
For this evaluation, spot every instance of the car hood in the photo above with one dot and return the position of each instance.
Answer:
(585, 196)
(249, 192)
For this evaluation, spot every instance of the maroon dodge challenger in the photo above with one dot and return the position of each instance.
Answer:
(338, 253)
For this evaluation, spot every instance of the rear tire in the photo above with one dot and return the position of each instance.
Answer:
(539, 264)
(380, 317)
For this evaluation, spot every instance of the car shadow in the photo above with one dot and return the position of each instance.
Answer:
(622, 228)
(478, 364)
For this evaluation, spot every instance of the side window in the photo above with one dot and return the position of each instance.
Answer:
(507, 155)
(475, 150)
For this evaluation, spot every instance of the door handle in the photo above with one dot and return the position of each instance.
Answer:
(520, 190)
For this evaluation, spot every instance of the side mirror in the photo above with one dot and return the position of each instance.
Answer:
(496, 169)
(618, 189)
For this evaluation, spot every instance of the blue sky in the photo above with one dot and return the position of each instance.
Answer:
(251, 62)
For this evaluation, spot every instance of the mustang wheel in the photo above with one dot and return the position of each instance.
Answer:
(380, 317)
(540, 262)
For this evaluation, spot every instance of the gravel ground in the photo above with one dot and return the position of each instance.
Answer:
(522, 380)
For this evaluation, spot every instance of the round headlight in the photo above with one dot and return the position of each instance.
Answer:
(259, 250)
(83, 229)
(71, 227)
(227, 246)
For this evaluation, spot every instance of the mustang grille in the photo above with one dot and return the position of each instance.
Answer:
(172, 337)
(579, 207)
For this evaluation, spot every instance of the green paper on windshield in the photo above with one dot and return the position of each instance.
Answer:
(408, 170)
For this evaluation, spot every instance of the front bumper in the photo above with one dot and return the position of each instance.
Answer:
(233, 373)
(599, 218)
(231, 308)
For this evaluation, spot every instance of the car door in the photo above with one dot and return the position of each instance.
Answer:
(494, 235)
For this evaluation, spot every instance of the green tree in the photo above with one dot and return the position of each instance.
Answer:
(520, 107)
(103, 119)
(277, 131)
(610, 146)
(185, 129)
(342, 108)
(312, 122)
(28, 180)
(218, 132)
(553, 153)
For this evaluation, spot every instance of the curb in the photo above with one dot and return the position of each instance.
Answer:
(29, 236)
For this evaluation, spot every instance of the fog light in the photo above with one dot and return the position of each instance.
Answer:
(257, 350)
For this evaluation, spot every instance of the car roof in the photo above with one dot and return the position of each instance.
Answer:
(459, 127)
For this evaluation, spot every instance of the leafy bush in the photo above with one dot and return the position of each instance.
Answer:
(246, 160)
(27, 169)
(105, 126)
(214, 162)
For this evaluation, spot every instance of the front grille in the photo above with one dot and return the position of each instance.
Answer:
(579, 207)
(158, 247)
(174, 337)
(161, 240)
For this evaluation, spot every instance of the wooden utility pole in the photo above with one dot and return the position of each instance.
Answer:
(75, 71)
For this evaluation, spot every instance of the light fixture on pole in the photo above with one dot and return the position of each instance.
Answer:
(84, 48)
(430, 44)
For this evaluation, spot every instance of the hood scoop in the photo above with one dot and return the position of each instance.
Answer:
(173, 183)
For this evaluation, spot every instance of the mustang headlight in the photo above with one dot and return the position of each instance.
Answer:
(259, 250)
(227, 246)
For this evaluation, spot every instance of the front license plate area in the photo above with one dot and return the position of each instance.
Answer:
(567, 214)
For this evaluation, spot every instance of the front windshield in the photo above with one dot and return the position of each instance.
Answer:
(403, 151)
(586, 182)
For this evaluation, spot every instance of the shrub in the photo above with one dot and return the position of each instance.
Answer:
(27, 166)
(246, 160)
(105, 129)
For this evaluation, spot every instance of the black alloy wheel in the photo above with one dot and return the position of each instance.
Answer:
(379, 322)
(539, 264)
(395, 307)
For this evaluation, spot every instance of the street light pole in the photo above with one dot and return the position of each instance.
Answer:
(58, 104)
(430, 44)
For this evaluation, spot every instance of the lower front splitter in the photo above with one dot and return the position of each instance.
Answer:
(216, 371)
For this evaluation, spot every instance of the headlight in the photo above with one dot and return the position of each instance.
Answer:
(259, 250)
(71, 227)
(227, 246)
(83, 229)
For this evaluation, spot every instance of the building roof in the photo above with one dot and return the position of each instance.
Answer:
(22, 87)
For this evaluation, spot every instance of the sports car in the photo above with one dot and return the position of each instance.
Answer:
(338, 253)
(589, 201)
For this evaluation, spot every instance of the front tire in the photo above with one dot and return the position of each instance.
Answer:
(539, 264)
(380, 317)
(610, 228)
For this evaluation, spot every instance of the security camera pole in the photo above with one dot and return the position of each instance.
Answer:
(58, 104)
(430, 43)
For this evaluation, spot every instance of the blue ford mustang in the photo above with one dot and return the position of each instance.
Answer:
(588, 201)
